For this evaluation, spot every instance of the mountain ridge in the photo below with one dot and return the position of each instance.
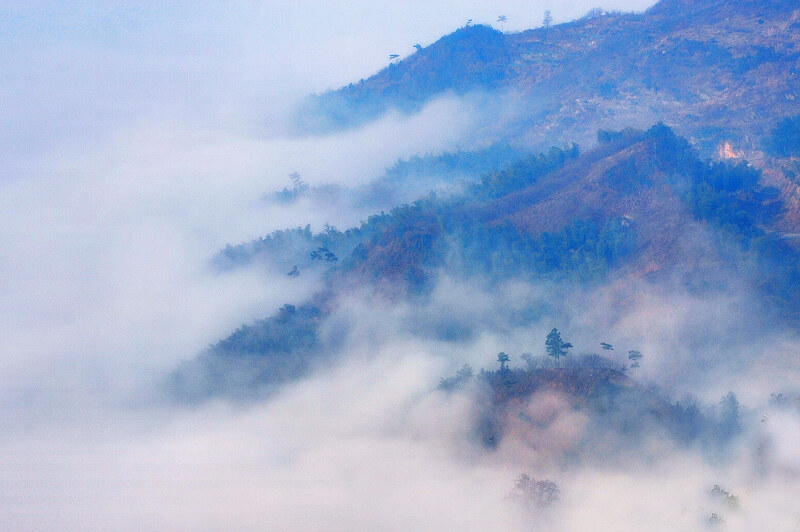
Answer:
(641, 205)
(706, 68)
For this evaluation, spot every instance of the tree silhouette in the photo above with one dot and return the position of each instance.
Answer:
(298, 188)
(418, 47)
(502, 20)
(539, 493)
(729, 416)
(529, 360)
(556, 347)
(716, 520)
(298, 185)
(324, 254)
(548, 20)
(503, 359)
(634, 356)
(594, 13)
(606, 346)
(461, 377)
(730, 499)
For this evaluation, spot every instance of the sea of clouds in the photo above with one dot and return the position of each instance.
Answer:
(137, 141)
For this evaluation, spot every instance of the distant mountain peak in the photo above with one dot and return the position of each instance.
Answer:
(708, 66)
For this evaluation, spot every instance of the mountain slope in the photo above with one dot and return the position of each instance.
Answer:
(712, 69)
(641, 205)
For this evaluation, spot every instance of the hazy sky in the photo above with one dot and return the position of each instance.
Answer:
(76, 70)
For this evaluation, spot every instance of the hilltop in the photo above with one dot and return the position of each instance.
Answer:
(613, 410)
(715, 71)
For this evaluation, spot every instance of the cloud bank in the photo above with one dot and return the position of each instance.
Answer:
(140, 141)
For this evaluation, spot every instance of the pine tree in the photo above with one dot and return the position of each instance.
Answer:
(556, 347)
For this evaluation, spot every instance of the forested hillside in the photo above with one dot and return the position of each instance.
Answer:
(640, 205)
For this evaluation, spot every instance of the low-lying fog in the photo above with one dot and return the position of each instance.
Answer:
(138, 141)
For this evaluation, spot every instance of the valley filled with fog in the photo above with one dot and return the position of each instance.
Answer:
(217, 317)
